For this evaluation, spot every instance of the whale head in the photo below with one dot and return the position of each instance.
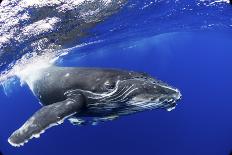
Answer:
(140, 93)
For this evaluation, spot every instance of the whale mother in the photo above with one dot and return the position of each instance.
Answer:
(67, 92)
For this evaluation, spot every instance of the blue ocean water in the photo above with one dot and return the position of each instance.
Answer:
(184, 43)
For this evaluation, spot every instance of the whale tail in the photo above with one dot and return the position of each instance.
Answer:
(45, 118)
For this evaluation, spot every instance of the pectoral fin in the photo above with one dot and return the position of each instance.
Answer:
(45, 118)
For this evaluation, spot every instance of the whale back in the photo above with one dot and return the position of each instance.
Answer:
(53, 82)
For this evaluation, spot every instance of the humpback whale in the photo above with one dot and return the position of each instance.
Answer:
(104, 94)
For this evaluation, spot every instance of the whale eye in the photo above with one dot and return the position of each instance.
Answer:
(109, 85)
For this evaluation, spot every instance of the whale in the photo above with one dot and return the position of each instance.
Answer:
(76, 93)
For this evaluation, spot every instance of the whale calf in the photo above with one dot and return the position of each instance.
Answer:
(102, 94)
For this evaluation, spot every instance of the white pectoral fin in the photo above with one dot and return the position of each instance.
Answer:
(45, 118)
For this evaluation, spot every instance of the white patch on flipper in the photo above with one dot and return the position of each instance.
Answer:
(76, 121)
(37, 135)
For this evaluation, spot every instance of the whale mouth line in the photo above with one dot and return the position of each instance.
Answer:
(168, 104)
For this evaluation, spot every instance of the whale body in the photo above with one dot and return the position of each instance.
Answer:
(98, 93)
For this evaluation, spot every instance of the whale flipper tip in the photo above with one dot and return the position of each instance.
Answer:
(48, 116)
